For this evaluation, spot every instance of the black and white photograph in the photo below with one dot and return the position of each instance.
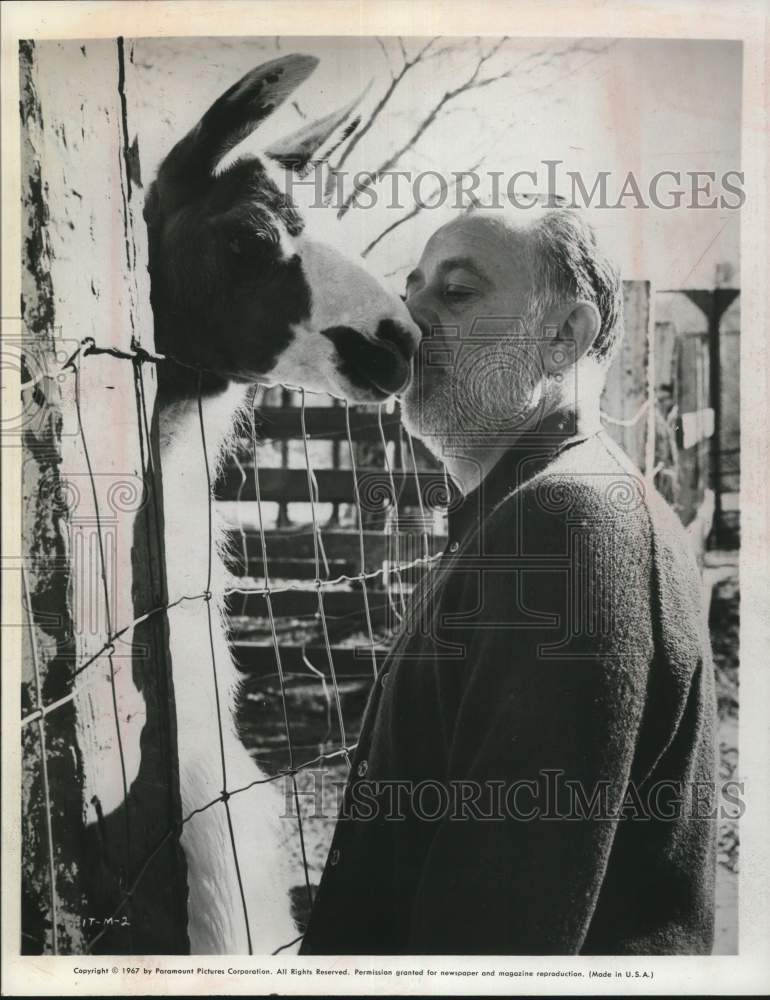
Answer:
(378, 564)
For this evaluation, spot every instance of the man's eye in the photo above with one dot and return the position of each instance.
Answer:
(457, 292)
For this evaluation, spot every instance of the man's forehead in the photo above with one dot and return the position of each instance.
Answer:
(489, 241)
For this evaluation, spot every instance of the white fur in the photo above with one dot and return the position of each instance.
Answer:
(344, 293)
(216, 923)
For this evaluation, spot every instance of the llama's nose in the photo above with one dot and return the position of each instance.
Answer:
(382, 362)
(399, 335)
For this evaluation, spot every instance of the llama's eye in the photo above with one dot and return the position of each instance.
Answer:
(267, 234)
(253, 241)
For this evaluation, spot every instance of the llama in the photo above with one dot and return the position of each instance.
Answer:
(242, 294)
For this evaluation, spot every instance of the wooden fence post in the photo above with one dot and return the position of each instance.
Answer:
(102, 869)
(626, 400)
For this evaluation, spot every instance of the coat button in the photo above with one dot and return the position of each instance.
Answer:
(363, 767)
(334, 857)
(384, 679)
(454, 546)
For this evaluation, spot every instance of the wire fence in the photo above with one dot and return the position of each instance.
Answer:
(139, 357)
(337, 745)
(389, 574)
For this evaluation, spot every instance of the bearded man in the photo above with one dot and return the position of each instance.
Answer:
(535, 770)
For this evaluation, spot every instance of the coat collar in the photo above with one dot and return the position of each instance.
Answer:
(527, 456)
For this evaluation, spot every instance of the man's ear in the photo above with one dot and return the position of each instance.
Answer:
(574, 332)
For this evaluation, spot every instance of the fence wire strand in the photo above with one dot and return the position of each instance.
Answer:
(361, 548)
(312, 488)
(225, 794)
(420, 504)
(277, 651)
(107, 612)
(393, 527)
(138, 356)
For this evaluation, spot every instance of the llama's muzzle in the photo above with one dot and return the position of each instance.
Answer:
(382, 364)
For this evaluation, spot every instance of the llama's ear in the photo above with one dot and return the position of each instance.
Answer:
(233, 116)
(296, 150)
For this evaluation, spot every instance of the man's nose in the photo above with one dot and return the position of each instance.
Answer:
(425, 318)
(404, 338)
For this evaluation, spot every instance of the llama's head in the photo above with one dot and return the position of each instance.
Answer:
(239, 288)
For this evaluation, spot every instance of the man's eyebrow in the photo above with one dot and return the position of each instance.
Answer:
(467, 263)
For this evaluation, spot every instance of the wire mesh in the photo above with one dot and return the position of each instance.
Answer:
(322, 582)
(268, 588)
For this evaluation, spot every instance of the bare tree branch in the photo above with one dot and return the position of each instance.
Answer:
(470, 83)
(480, 162)
(385, 53)
(394, 225)
(576, 47)
(419, 206)
(358, 135)
(474, 82)
(444, 50)
(485, 59)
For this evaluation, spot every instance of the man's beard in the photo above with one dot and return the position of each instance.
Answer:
(428, 411)
(491, 395)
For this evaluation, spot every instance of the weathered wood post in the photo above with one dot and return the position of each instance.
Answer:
(102, 869)
(628, 401)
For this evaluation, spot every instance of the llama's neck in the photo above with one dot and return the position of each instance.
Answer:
(211, 756)
(186, 484)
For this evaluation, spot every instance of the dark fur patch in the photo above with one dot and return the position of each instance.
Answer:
(366, 363)
(223, 294)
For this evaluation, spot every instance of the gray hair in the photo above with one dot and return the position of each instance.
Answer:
(570, 264)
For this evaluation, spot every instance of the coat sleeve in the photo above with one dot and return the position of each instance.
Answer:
(545, 736)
